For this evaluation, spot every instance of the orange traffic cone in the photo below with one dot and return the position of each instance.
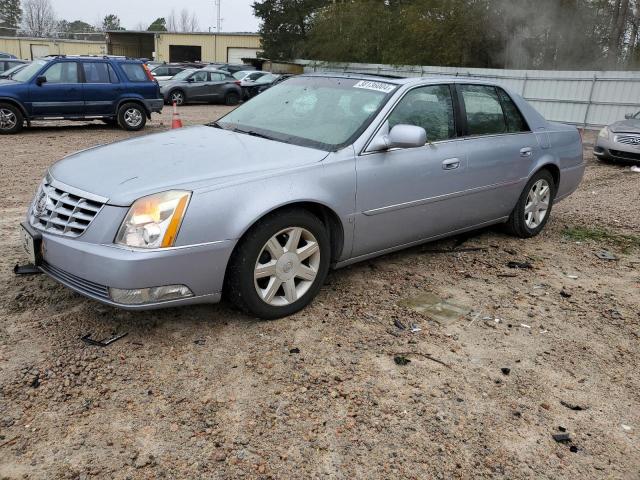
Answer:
(175, 121)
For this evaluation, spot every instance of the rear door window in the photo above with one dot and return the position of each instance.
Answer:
(96, 72)
(134, 72)
(62, 72)
(515, 121)
(200, 77)
(484, 111)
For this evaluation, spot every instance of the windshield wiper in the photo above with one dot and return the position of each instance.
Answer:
(215, 125)
(253, 133)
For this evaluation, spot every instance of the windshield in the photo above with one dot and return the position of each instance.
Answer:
(319, 112)
(13, 70)
(183, 74)
(27, 73)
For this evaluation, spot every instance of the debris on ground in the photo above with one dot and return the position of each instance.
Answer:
(28, 269)
(102, 343)
(635, 169)
(401, 360)
(571, 406)
(441, 311)
(565, 294)
(521, 265)
(294, 350)
(399, 325)
(505, 370)
(626, 428)
(561, 437)
(606, 255)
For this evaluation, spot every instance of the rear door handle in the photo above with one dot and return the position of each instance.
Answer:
(526, 152)
(451, 164)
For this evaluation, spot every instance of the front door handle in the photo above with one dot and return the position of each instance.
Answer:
(451, 164)
(526, 152)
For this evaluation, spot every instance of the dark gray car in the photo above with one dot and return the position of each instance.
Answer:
(201, 85)
(620, 140)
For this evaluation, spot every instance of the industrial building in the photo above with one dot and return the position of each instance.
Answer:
(30, 48)
(184, 47)
(159, 46)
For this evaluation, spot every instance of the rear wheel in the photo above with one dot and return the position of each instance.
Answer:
(231, 99)
(279, 265)
(132, 117)
(11, 119)
(532, 211)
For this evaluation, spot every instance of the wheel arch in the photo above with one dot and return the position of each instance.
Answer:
(17, 104)
(553, 169)
(137, 101)
(325, 213)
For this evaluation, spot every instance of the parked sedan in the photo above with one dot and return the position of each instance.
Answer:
(201, 85)
(8, 64)
(251, 89)
(620, 140)
(167, 71)
(323, 171)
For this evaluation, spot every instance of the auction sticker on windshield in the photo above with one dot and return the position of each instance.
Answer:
(377, 86)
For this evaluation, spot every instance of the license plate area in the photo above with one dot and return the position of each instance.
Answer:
(31, 243)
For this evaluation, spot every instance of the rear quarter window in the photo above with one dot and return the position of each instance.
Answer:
(515, 121)
(134, 72)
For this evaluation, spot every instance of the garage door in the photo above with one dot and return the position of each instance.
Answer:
(38, 51)
(235, 55)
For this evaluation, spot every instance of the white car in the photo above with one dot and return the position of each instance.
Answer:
(249, 76)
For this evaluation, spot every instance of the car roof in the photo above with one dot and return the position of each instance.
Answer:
(399, 80)
(88, 58)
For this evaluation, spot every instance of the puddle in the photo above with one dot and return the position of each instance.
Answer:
(436, 308)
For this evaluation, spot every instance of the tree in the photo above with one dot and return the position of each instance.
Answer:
(111, 22)
(285, 25)
(158, 25)
(77, 30)
(10, 17)
(39, 19)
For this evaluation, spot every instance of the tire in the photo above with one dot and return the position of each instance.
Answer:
(132, 117)
(11, 119)
(231, 99)
(178, 96)
(525, 221)
(269, 287)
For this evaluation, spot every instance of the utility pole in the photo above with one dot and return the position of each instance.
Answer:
(218, 18)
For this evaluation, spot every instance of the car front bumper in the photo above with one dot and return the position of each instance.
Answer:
(609, 149)
(92, 269)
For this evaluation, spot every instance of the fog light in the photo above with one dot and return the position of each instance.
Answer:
(140, 296)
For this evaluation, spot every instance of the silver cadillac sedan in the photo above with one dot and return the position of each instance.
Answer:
(320, 171)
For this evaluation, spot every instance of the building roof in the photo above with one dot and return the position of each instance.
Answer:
(143, 32)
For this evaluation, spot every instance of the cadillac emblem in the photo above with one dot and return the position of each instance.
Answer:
(40, 205)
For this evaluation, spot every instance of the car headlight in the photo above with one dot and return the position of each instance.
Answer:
(604, 133)
(154, 221)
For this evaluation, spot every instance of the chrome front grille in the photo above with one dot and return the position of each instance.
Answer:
(628, 139)
(57, 210)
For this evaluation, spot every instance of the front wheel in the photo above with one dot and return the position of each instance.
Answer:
(132, 117)
(11, 119)
(279, 265)
(532, 211)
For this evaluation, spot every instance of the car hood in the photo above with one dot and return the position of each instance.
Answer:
(628, 126)
(7, 82)
(188, 158)
(171, 83)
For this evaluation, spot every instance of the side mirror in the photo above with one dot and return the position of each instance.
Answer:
(41, 80)
(190, 80)
(628, 116)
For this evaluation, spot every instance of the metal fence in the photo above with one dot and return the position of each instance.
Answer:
(589, 99)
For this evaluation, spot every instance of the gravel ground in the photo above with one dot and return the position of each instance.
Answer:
(206, 392)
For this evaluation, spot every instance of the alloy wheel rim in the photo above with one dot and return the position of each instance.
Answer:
(178, 98)
(8, 119)
(133, 117)
(287, 266)
(537, 205)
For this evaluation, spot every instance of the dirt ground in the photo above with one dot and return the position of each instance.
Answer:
(514, 357)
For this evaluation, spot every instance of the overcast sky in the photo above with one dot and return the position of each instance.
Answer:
(237, 15)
